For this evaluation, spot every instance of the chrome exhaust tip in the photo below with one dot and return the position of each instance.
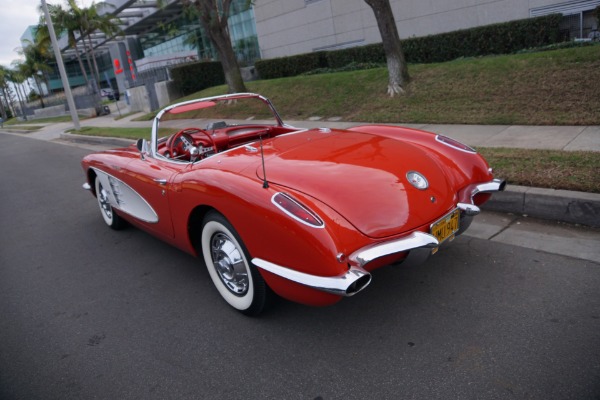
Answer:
(358, 285)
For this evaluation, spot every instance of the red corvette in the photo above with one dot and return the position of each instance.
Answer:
(304, 213)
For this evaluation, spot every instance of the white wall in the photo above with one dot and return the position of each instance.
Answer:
(287, 27)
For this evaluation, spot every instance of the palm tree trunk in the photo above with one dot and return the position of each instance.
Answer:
(87, 58)
(22, 98)
(37, 82)
(5, 93)
(94, 59)
(19, 98)
(2, 109)
(85, 78)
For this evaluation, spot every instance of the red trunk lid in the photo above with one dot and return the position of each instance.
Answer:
(362, 177)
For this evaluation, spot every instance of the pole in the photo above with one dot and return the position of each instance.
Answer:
(61, 67)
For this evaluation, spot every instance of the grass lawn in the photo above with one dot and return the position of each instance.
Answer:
(554, 169)
(558, 87)
(126, 133)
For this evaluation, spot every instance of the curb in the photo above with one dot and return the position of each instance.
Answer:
(11, 130)
(96, 140)
(558, 205)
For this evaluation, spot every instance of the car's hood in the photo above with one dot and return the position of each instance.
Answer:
(363, 177)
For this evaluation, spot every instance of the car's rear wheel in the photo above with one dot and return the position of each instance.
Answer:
(108, 214)
(227, 261)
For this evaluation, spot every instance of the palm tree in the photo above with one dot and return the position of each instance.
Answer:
(64, 22)
(79, 23)
(3, 82)
(36, 62)
(18, 77)
(89, 20)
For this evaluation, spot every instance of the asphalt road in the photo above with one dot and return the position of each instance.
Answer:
(90, 313)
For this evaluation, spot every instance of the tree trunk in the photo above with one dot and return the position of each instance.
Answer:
(2, 109)
(87, 59)
(97, 72)
(214, 21)
(37, 82)
(397, 68)
(231, 68)
(22, 98)
(9, 100)
(85, 78)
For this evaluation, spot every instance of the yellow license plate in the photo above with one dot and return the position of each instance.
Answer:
(445, 228)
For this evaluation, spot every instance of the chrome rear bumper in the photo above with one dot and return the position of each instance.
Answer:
(415, 240)
(347, 284)
(466, 204)
(356, 278)
(417, 244)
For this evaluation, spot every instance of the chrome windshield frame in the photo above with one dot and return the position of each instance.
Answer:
(234, 96)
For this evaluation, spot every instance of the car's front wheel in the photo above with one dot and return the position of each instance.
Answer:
(227, 261)
(108, 214)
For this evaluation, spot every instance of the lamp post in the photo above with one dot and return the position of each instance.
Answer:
(61, 67)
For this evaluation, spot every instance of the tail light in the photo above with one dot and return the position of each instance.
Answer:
(296, 210)
(454, 143)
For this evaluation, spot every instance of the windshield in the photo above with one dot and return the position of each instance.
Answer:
(196, 129)
(221, 111)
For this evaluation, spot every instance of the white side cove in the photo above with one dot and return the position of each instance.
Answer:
(124, 198)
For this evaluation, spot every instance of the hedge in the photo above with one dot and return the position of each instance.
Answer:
(291, 66)
(191, 78)
(502, 38)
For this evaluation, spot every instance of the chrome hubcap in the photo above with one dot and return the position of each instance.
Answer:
(104, 203)
(229, 264)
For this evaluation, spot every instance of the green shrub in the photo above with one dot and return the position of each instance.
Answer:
(371, 53)
(291, 66)
(191, 78)
(502, 38)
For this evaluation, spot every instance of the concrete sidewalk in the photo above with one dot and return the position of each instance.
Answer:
(570, 138)
(559, 205)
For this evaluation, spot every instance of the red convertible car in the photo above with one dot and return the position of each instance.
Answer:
(305, 213)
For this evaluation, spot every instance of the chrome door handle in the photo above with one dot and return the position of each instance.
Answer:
(161, 181)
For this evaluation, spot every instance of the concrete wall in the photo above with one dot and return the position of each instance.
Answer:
(166, 92)
(48, 112)
(299, 26)
(138, 99)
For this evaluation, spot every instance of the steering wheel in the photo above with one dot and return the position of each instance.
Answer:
(180, 144)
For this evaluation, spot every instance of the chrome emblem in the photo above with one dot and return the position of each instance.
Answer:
(417, 180)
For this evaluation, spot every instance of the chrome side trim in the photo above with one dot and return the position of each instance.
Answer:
(413, 241)
(347, 284)
(124, 198)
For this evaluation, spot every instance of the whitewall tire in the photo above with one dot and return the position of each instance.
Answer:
(108, 214)
(227, 261)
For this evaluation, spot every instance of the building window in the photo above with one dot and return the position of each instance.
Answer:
(190, 36)
(578, 20)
